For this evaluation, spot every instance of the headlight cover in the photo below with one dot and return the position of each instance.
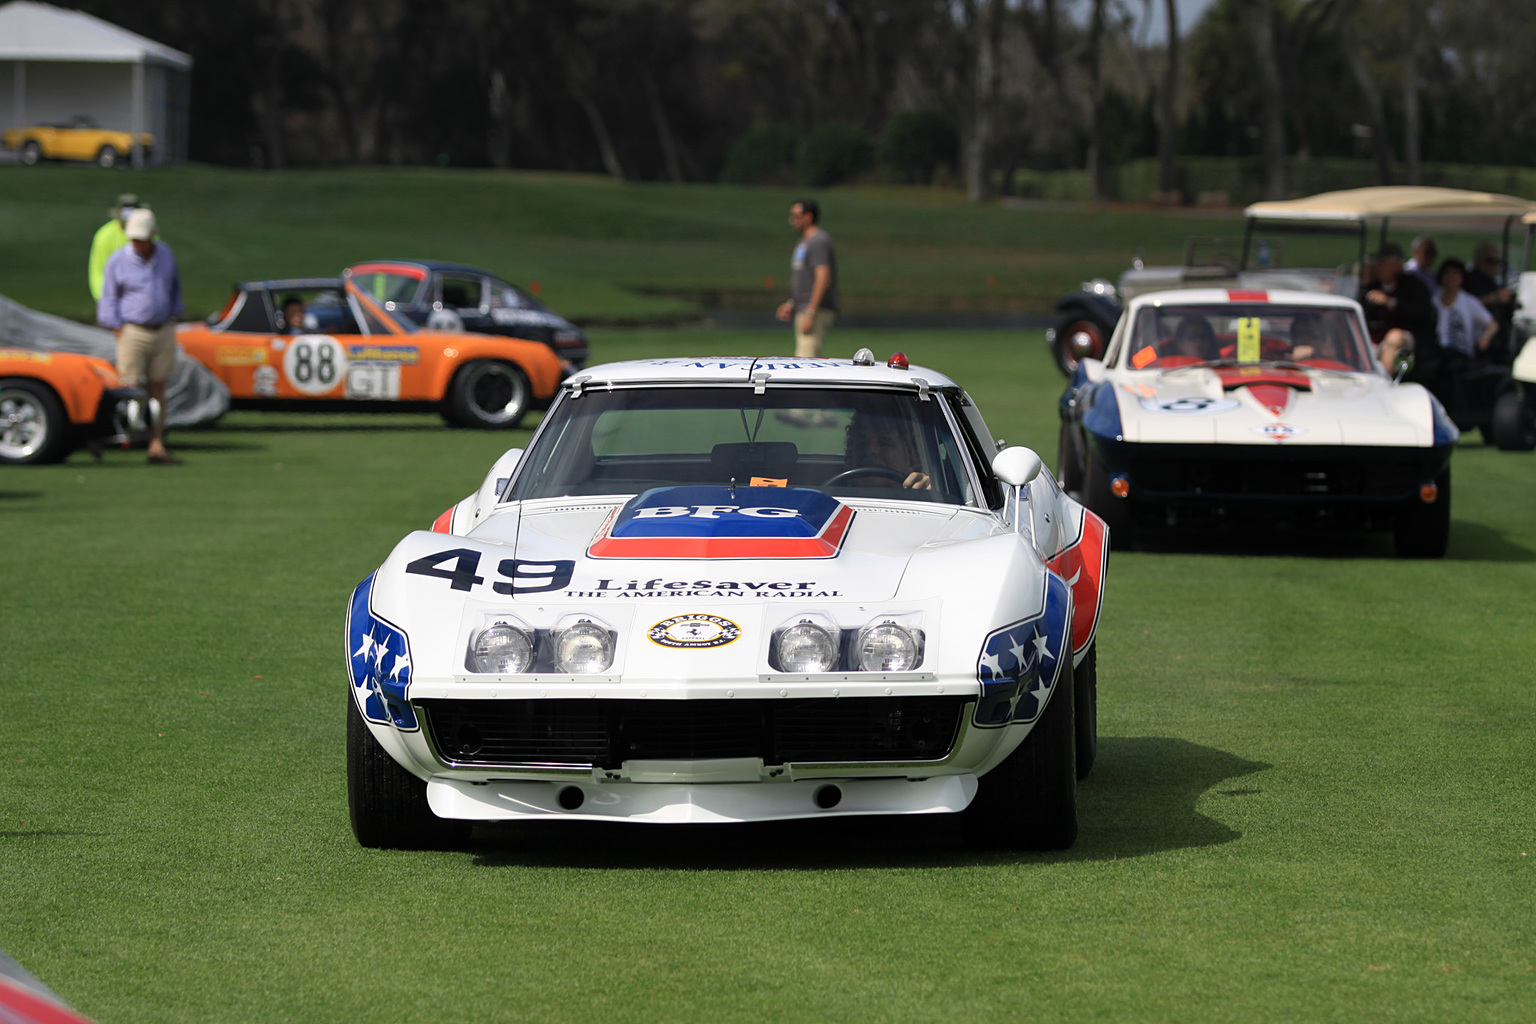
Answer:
(502, 648)
(806, 647)
(887, 647)
(584, 648)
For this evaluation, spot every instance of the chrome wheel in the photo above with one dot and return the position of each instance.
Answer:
(25, 427)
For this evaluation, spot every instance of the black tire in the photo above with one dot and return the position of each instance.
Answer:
(33, 426)
(388, 804)
(31, 153)
(489, 394)
(108, 156)
(1069, 463)
(1085, 709)
(1423, 530)
(1512, 428)
(1078, 334)
(1116, 512)
(1029, 802)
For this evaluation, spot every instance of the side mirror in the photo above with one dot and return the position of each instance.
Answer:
(1016, 466)
(1093, 369)
(496, 481)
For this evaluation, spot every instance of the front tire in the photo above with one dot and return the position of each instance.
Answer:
(1029, 801)
(1423, 530)
(1085, 709)
(1079, 336)
(33, 427)
(108, 156)
(31, 153)
(388, 804)
(1512, 428)
(489, 394)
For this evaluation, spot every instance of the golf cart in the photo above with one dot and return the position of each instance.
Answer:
(1497, 399)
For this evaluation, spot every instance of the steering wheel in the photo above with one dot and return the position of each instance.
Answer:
(849, 474)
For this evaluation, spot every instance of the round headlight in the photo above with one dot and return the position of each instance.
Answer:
(806, 647)
(583, 649)
(887, 648)
(503, 649)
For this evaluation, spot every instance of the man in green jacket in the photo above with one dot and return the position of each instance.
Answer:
(110, 237)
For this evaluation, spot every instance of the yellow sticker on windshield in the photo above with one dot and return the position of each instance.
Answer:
(1248, 339)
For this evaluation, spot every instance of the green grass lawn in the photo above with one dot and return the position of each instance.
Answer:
(598, 249)
(1313, 799)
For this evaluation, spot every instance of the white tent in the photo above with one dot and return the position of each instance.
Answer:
(58, 64)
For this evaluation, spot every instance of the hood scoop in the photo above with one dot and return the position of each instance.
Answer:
(724, 522)
(1271, 388)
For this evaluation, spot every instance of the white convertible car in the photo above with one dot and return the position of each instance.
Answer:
(736, 589)
(1251, 407)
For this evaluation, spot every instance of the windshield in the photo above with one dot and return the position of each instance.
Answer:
(873, 444)
(1165, 337)
(388, 286)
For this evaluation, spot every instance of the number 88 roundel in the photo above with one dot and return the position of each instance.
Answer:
(314, 364)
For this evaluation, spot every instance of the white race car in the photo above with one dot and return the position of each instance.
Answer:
(736, 589)
(1215, 406)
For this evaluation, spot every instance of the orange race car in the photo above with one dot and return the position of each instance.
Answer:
(322, 343)
(52, 402)
(80, 139)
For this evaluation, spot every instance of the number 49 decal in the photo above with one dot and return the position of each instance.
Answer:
(463, 575)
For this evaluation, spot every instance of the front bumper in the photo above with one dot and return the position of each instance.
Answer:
(686, 803)
(1277, 479)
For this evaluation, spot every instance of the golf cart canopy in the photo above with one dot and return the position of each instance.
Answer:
(1353, 211)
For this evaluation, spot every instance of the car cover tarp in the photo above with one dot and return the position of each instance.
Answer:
(193, 395)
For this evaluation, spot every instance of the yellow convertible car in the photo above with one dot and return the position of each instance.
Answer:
(80, 139)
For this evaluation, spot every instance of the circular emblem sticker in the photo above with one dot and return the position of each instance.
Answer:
(694, 631)
(314, 363)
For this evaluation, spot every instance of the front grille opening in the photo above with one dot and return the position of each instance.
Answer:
(606, 733)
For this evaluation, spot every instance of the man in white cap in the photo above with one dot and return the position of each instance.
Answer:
(140, 301)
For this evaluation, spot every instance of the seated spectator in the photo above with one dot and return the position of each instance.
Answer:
(1465, 325)
(293, 315)
(1422, 265)
(1399, 312)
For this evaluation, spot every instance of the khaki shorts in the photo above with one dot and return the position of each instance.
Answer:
(144, 354)
(811, 343)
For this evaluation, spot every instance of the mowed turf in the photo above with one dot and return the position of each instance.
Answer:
(1313, 799)
(598, 249)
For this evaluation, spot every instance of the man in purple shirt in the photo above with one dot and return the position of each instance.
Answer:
(140, 301)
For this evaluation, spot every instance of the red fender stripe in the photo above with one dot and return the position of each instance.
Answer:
(1082, 565)
(444, 522)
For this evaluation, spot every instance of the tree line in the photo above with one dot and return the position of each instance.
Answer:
(820, 90)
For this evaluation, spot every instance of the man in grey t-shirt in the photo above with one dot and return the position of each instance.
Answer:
(812, 302)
